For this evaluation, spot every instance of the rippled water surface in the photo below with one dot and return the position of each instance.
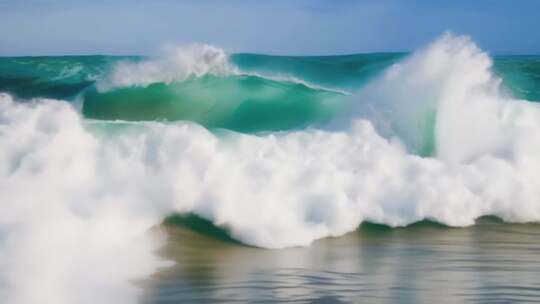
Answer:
(491, 262)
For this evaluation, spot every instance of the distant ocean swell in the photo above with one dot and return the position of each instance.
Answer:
(279, 151)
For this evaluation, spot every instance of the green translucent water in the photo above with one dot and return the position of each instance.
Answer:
(240, 103)
(349, 72)
(429, 142)
(491, 262)
(521, 75)
(52, 77)
(268, 100)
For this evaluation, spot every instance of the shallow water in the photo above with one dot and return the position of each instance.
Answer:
(492, 262)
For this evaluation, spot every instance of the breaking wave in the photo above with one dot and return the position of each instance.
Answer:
(435, 137)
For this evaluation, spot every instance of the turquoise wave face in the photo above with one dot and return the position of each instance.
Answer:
(52, 77)
(268, 93)
(240, 103)
(521, 75)
(347, 72)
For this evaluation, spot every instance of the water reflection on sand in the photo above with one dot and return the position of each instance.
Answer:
(492, 262)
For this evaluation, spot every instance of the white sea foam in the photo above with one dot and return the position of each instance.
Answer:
(175, 64)
(76, 201)
(449, 84)
(65, 236)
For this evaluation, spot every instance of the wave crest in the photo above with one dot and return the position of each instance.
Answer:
(175, 64)
(276, 190)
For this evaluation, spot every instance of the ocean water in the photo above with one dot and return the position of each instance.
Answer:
(490, 262)
(199, 176)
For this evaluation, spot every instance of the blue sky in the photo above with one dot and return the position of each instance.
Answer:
(45, 27)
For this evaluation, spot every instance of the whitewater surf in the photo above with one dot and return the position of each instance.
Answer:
(278, 151)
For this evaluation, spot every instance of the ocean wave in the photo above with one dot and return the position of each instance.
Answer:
(86, 192)
(175, 65)
(200, 83)
(236, 102)
(179, 64)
